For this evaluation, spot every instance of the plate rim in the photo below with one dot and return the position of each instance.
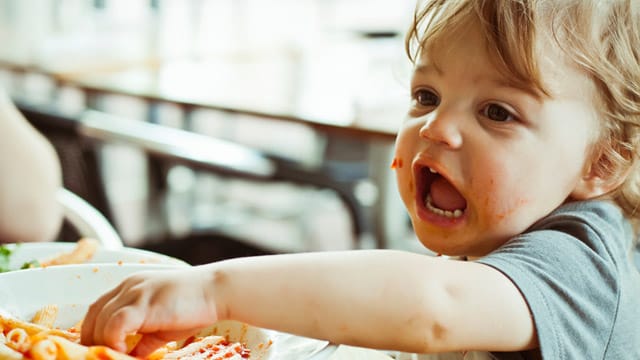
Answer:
(61, 246)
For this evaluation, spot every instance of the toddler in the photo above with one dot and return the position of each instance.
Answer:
(518, 157)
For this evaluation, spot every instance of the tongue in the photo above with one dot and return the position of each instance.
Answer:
(446, 197)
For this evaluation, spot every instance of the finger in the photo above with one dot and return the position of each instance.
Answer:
(88, 323)
(148, 344)
(120, 297)
(151, 342)
(124, 321)
(120, 316)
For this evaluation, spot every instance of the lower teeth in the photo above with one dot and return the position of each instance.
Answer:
(446, 213)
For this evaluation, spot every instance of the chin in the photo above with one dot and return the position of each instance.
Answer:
(451, 245)
(442, 245)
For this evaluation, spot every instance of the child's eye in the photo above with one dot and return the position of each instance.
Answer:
(426, 97)
(496, 112)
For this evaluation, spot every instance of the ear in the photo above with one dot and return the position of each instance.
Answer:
(592, 186)
(604, 175)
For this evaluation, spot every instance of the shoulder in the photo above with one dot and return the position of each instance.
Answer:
(571, 267)
(593, 236)
(594, 229)
(598, 215)
(598, 227)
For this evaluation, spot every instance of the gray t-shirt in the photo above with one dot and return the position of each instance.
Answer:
(576, 272)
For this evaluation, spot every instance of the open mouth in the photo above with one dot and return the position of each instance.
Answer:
(438, 195)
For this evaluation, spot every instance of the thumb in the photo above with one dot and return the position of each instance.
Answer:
(151, 342)
(147, 345)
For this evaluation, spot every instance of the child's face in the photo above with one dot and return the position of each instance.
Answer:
(504, 157)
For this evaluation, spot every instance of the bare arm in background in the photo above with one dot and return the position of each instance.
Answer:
(30, 176)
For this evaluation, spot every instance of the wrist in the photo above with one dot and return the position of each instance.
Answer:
(216, 291)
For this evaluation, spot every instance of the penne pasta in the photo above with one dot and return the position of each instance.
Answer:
(33, 329)
(46, 316)
(162, 352)
(18, 339)
(44, 349)
(83, 252)
(71, 350)
(211, 347)
(131, 341)
(7, 353)
(21, 340)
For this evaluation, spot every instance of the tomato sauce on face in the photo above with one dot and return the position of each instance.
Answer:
(396, 163)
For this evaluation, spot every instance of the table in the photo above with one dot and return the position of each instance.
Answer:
(345, 352)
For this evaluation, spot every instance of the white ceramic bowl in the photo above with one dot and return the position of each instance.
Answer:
(71, 287)
(74, 287)
(26, 252)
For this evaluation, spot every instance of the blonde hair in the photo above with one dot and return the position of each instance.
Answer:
(600, 37)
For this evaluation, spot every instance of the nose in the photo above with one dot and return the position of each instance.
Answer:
(443, 128)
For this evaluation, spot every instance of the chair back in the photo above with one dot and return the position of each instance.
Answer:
(87, 220)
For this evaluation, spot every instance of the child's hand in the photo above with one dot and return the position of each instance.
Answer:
(159, 305)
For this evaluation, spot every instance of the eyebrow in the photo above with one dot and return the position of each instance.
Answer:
(536, 94)
(425, 68)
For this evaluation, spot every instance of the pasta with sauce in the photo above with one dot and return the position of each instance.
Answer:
(23, 340)
(212, 347)
(20, 340)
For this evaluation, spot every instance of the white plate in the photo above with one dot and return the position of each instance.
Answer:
(71, 287)
(26, 252)
(74, 287)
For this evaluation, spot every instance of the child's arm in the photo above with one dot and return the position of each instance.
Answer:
(379, 298)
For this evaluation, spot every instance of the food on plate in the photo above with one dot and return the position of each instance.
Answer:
(36, 340)
(212, 347)
(46, 316)
(23, 340)
(83, 251)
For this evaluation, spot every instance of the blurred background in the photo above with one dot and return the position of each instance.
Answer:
(293, 105)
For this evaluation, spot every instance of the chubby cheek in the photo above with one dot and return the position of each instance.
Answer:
(404, 178)
(499, 197)
(401, 165)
